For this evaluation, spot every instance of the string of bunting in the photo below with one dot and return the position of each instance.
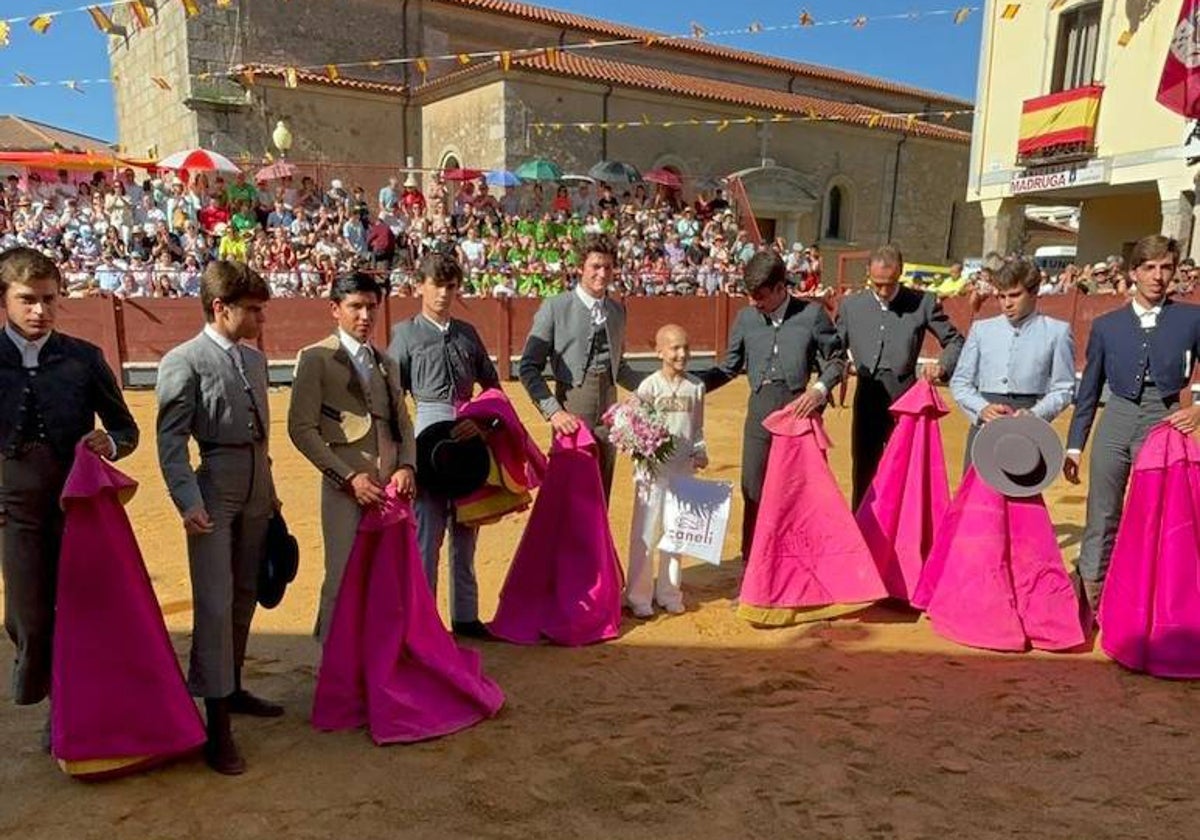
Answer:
(723, 123)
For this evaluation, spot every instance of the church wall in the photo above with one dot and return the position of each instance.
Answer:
(470, 126)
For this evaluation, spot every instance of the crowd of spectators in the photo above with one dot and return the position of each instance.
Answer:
(151, 238)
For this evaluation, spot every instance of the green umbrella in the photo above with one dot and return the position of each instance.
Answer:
(539, 169)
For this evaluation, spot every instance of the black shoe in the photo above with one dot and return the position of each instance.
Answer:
(242, 702)
(470, 629)
(220, 752)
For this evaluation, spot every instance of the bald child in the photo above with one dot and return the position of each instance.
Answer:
(678, 397)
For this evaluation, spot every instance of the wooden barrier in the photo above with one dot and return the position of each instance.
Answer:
(135, 333)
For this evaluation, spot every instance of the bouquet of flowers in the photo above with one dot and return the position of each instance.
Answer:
(636, 429)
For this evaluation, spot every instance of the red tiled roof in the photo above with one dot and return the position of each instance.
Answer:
(611, 29)
(21, 134)
(585, 67)
(306, 77)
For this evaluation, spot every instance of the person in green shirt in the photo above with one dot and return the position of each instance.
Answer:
(244, 218)
(240, 190)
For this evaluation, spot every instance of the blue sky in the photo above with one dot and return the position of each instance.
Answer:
(928, 52)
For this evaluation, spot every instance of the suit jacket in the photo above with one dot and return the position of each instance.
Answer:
(807, 342)
(561, 334)
(891, 340)
(328, 413)
(74, 385)
(1118, 352)
(201, 395)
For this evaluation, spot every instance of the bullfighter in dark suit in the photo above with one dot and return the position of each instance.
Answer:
(1145, 353)
(883, 328)
(52, 388)
(778, 341)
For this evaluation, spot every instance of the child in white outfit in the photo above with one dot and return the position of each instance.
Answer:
(679, 399)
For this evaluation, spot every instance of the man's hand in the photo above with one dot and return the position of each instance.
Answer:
(405, 480)
(564, 423)
(99, 442)
(1186, 420)
(364, 490)
(1071, 468)
(196, 521)
(465, 430)
(808, 402)
(993, 410)
(699, 459)
(933, 372)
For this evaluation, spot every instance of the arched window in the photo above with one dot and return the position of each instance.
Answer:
(833, 214)
(450, 161)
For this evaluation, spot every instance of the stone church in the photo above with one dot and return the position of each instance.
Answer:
(822, 162)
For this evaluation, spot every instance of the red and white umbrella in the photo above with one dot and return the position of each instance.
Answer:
(664, 177)
(277, 171)
(198, 160)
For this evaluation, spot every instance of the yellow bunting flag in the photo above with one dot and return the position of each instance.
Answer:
(100, 17)
(805, 18)
(586, 128)
(41, 23)
(874, 120)
(5, 33)
(910, 122)
(290, 78)
(722, 125)
(1010, 11)
(191, 8)
(505, 60)
(160, 83)
(860, 22)
(1055, 5)
(25, 81)
(1124, 38)
(668, 124)
(622, 126)
(374, 65)
(960, 17)
(331, 70)
(140, 13)
(224, 4)
(464, 59)
(552, 56)
(556, 126)
(698, 31)
(248, 76)
(812, 113)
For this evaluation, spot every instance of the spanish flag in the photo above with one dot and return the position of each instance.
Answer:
(1067, 117)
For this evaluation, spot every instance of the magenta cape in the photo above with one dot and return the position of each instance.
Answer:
(995, 577)
(807, 550)
(910, 493)
(518, 466)
(1150, 609)
(118, 697)
(389, 662)
(565, 581)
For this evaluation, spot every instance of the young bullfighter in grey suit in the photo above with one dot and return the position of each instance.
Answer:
(213, 388)
(582, 334)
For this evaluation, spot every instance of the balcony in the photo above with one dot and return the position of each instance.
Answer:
(1060, 127)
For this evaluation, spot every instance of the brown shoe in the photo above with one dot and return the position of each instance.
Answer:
(220, 752)
(242, 702)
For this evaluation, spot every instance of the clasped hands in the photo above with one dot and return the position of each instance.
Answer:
(367, 491)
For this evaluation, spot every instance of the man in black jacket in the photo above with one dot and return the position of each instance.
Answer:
(778, 341)
(52, 387)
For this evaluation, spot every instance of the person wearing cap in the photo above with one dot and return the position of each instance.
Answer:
(347, 417)
(777, 342)
(1146, 354)
(1019, 361)
(440, 361)
(883, 328)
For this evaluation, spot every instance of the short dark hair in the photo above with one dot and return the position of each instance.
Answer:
(443, 269)
(357, 282)
(765, 270)
(1153, 247)
(25, 265)
(1021, 272)
(230, 281)
(597, 243)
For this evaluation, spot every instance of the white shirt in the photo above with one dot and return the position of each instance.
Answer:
(231, 347)
(1148, 317)
(595, 306)
(360, 354)
(30, 350)
(442, 328)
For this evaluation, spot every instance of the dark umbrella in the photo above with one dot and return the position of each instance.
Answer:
(615, 172)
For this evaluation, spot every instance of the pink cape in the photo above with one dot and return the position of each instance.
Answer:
(1150, 609)
(995, 577)
(119, 700)
(565, 581)
(518, 466)
(389, 662)
(910, 493)
(807, 550)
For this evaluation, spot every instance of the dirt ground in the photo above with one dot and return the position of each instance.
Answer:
(696, 726)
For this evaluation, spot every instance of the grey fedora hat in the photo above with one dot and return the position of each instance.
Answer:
(1018, 456)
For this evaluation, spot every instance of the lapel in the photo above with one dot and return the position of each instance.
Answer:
(614, 324)
(52, 350)
(10, 356)
(342, 358)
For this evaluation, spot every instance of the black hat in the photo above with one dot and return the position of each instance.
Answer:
(281, 559)
(451, 468)
(1018, 455)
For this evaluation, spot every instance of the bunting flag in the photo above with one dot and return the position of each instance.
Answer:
(1010, 11)
(290, 78)
(160, 82)
(25, 81)
(224, 4)
(191, 8)
(698, 31)
(1055, 5)
(873, 120)
(552, 56)
(75, 86)
(141, 14)
(505, 60)
(331, 71)
(960, 17)
(41, 23)
(464, 59)
(755, 28)
(860, 22)
(5, 33)
(423, 66)
(805, 18)
(100, 17)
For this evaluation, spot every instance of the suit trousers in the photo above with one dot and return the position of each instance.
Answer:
(756, 446)
(235, 483)
(588, 402)
(30, 540)
(435, 515)
(340, 515)
(645, 530)
(1119, 436)
(871, 427)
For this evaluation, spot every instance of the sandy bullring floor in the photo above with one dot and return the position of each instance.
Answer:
(692, 727)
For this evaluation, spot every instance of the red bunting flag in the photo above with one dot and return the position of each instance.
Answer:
(1179, 87)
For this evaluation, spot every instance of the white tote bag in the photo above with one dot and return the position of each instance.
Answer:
(695, 517)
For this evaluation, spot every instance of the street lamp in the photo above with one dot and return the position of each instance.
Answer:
(282, 138)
